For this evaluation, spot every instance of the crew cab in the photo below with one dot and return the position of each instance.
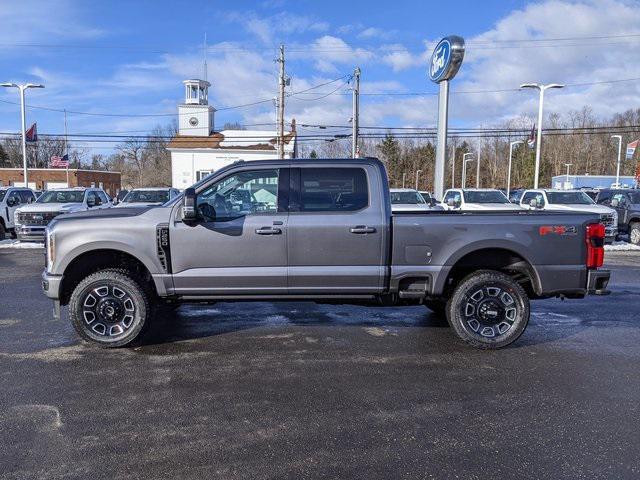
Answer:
(32, 219)
(12, 198)
(626, 203)
(475, 199)
(571, 201)
(315, 230)
(149, 196)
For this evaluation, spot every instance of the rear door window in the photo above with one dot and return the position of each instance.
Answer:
(333, 189)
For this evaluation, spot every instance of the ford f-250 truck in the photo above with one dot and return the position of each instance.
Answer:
(319, 230)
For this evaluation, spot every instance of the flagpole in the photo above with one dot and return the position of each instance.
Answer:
(66, 147)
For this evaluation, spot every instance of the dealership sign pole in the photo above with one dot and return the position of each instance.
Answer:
(445, 63)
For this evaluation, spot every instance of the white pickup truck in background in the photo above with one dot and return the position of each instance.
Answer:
(571, 201)
(476, 199)
(12, 198)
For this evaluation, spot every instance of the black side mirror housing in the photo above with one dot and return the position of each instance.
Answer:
(189, 213)
(11, 202)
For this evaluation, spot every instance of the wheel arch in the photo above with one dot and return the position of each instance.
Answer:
(93, 260)
(505, 259)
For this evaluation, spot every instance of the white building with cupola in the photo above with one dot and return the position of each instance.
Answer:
(198, 149)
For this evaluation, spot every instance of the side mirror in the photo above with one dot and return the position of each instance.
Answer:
(91, 202)
(451, 202)
(189, 213)
(433, 202)
(533, 203)
(11, 202)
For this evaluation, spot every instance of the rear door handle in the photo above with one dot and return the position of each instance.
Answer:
(268, 231)
(362, 229)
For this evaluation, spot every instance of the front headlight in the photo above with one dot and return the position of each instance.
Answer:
(50, 246)
(15, 218)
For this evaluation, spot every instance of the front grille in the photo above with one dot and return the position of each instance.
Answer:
(36, 218)
(608, 219)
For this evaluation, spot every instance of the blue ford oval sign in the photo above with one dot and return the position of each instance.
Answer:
(446, 58)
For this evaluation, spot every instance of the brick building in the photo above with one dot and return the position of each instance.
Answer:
(44, 178)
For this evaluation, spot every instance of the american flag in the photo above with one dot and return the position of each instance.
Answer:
(531, 141)
(59, 162)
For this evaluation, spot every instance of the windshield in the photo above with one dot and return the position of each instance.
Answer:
(569, 198)
(146, 196)
(2, 194)
(493, 196)
(411, 198)
(61, 196)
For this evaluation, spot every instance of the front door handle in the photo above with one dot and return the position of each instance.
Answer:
(362, 229)
(268, 231)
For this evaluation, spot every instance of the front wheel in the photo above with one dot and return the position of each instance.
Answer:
(489, 310)
(634, 233)
(110, 308)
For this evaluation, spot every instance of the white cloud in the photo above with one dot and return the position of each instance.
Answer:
(492, 63)
(269, 29)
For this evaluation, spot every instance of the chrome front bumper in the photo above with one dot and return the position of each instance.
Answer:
(28, 233)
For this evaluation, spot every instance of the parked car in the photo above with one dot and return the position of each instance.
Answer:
(319, 230)
(120, 196)
(145, 197)
(516, 195)
(626, 202)
(568, 201)
(470, 199)
(407, 199)
(31, 220)
(12, 198)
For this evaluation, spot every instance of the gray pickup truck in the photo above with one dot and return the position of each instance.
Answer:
(317, 230)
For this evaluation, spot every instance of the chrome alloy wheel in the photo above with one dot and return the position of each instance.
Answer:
(490, 312)
(108, 311)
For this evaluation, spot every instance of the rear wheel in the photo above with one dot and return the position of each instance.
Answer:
(110, 308)
(634, 233)
(489, 310)
(3, 231)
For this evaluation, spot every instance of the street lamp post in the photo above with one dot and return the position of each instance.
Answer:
(453, 166)
(478, 171)
(404, 177)
(567, 165)
(511, 145)
(619, 137)
(541, 87)
(22, 88)
(464, 167)
(418, 172)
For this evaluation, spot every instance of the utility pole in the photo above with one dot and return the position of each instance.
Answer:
(619, 137)
(282, 82)
(478, 171)
(355, 119)
(404, 177)
(453, 166)
(511, 145)
(418, 172)
(23, 113)
(66, 145)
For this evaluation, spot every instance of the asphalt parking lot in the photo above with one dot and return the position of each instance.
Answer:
(298, 390)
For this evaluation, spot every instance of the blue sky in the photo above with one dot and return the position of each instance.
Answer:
(123, 57)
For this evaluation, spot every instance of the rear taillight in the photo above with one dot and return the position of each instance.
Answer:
(595, 245)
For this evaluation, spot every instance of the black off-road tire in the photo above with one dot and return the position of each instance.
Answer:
(489, 310)
(3, 231)
(111, 291)
(634, 233)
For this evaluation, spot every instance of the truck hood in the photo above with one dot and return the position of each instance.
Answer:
(105, 213)
(409, 207)
(53, 207)
(492, 206)
(137, 205)
(600, 209)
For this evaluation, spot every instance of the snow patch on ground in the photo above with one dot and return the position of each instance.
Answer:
(622, 247)
(20, 245)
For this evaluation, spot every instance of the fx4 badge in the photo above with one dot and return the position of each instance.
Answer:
(557, 230)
